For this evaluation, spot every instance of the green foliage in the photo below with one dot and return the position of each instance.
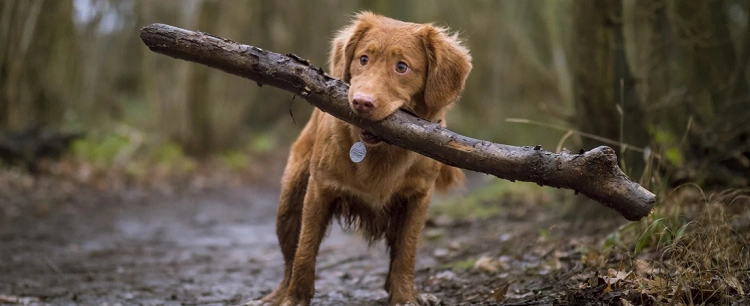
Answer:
(481, 203)
(234, 160)
(674, 155)
(660, 232)
(168, 152)
(102, 152)
(664, 226)
(544, 233)
(669, 144)
(613, 239)
(263, 143)
(137, 160)
(136, 170)
(498, 197)
(172, 156)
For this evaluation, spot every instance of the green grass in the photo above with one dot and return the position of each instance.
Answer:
(263, 143)
(485, 202)
(235, 160)
(102, 151)
(132, 155)
(693, 247)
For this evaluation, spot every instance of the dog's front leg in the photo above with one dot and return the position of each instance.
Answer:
(316, 215)
(403, 241)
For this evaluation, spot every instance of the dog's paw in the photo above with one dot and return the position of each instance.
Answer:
(426, 299)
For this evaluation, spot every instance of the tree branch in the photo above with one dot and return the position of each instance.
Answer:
(594, 173)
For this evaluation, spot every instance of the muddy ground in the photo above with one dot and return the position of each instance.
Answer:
(63, 245)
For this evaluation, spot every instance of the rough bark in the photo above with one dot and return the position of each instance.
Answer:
(594, 173)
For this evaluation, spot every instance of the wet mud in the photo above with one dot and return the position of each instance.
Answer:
(218, 247)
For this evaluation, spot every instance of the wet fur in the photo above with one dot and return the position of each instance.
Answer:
(387, 194)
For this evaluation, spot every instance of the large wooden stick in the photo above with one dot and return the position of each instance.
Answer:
(594, 173)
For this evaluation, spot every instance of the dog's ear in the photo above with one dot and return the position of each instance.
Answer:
(342, 49)
(448, 66)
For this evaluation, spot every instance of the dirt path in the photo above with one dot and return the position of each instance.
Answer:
(219, 248)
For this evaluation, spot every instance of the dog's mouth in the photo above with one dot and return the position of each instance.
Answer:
(369, 138)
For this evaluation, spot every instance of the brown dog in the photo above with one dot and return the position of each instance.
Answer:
(390, 65)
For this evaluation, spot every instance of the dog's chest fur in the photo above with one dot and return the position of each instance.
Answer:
(371, 202)
(385, 172)
(369, 194)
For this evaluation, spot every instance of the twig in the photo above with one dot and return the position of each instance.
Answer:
(52, 266)
(290, 109)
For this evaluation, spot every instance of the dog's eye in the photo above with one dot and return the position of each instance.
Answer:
(363, 60)
(401, 67)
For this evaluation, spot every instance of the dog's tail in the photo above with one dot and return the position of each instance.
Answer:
(449, 177)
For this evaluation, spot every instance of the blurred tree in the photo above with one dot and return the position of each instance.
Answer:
(714, 71)
(38, 62)
(661, 63)
(605, 101)
(602, 85)
(111, 76)
(198, 100)
(164, 80)
(680, 59)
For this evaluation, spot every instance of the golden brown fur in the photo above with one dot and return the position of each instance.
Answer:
(388, 193)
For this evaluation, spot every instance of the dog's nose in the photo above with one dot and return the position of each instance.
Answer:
(363, 103)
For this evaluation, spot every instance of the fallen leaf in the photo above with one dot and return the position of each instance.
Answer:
(733, 282)
(499, 293)
(24, 300)
(642, 266)
(613, 276)
(487, 264)
(657, 284)
(440, 253)
(443, 275)
(519, 296)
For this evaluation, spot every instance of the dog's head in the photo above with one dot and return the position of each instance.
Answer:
(392, 64)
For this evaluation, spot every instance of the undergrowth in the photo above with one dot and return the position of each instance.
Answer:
(519, 199)
(125, 156)
(692, 250)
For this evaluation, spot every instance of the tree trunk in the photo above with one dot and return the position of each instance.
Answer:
(604, 87)
(593, 69)
(39, 62)
(199, 140)
(718, 143)
(632, 124)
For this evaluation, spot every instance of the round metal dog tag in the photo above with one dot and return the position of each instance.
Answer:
(357, 152)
